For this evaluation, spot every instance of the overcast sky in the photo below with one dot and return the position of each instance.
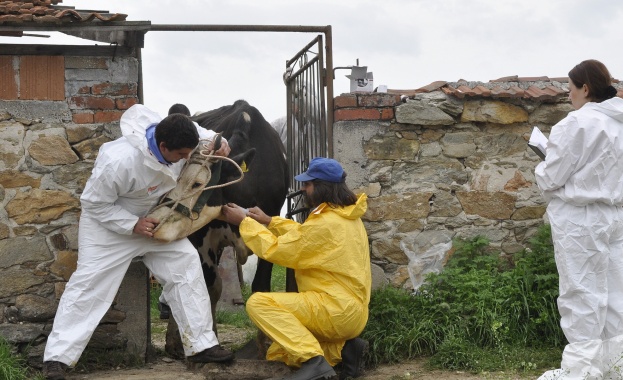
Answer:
(406, 43)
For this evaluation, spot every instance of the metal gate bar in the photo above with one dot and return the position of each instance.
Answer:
(307, 135)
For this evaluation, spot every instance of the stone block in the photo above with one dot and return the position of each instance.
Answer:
(52, 150)
(21, 250)
(491, 205)
(421, 113)
(493, 112)
(40, 206)
(12, 178)
(133, 299)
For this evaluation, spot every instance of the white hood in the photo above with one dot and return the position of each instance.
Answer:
(611, 107)
(135, 121)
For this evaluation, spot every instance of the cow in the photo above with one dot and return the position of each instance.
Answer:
(257, 147)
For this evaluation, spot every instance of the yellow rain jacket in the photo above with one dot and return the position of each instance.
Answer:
(331, 260)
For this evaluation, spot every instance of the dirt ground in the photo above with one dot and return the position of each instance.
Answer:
(165, 368)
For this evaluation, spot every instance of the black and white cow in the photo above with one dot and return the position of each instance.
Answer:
(265, 184)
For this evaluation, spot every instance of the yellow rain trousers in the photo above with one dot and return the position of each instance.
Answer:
(331, 260)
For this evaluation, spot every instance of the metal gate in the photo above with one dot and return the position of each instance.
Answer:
(309, 132)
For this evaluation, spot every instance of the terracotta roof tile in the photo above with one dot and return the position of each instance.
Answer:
(483, 90)
(464, 89)
(49, 12)
(533, 79)
(516, 92)
(536, 93)
(499, 92)
(560, 79)
(537, 88)
(448, 90)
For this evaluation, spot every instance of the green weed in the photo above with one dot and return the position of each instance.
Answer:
(278, 279)
(13, 366)
(484, 312)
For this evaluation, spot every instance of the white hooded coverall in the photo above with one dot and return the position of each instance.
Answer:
(331, 260)
(582, 178)
(126, 182)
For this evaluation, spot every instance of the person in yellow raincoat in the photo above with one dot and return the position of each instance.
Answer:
(316, 328)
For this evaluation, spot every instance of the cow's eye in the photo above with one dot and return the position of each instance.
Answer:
(196, 185)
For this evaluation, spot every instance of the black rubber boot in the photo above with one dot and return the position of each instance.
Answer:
(353, 354)
(315, 368)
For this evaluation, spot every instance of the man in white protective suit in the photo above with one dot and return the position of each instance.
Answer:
(129, 177)
(581, 178)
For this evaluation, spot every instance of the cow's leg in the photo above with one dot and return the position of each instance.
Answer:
(173, 344)
(261, 281)
(215, 291)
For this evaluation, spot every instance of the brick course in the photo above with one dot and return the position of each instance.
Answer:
(92, 102)
(83, 118)
(107, 116)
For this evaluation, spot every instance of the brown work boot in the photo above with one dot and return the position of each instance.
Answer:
(215, 354)
(54, 370)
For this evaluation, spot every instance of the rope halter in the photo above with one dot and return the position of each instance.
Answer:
(203, 155)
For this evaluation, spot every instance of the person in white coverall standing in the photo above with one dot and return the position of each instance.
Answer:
(129, 177)
(581, 177)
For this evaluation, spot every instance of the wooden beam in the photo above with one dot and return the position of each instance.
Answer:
(73, 50)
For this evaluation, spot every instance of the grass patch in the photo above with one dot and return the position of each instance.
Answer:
(100, 359)
(278, 279)
(13, 366)
(236, 318)
(484, 312)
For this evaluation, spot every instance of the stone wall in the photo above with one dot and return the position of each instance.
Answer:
(48, 144)
(446, 162)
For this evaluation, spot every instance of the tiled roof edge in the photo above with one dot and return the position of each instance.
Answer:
(47, 11)
(535, 88)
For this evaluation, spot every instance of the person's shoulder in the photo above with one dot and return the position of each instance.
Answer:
(119, 150)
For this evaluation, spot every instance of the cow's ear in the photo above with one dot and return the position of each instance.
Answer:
(243, 160)
(217, 142)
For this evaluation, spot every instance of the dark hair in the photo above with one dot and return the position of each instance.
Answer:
(179, 108)
(177, 131)
(334, 193)
(596, 77)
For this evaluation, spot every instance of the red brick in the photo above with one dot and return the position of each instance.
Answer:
(83, 118)
(387, 113)
(125, 103)
(117, 89)
(84, 90)
(356, 114)
(93, 102)
(344, 101)
(107, 116)
(379, 100)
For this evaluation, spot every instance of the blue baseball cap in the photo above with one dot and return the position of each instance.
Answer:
(325, 169)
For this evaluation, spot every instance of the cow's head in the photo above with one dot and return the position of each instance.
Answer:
(191, 204)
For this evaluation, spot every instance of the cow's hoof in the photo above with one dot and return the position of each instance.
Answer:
(165, 310)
